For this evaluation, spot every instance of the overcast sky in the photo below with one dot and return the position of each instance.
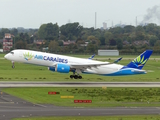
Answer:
(33, 13)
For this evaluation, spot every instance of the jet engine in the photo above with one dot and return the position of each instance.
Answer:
(62, 68)
(51, 69)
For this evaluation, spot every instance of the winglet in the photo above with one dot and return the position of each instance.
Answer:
(119, 59)
(90, 58)
(141, 60)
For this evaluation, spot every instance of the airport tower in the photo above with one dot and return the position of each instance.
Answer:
(7, 42)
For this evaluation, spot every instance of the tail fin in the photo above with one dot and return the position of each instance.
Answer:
(141, 60)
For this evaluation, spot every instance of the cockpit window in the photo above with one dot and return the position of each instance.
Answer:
(12, 53)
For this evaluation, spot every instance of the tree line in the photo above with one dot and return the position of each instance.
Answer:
(127, 39)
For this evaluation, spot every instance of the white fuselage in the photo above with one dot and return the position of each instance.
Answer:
(49, 60)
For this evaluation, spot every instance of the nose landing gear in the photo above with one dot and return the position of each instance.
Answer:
(13, 65)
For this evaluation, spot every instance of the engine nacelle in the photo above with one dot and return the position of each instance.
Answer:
(51, 69)
(62, 68)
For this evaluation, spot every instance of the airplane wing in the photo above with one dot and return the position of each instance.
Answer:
(89, 65)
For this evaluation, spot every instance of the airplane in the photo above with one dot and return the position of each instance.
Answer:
(66, 64)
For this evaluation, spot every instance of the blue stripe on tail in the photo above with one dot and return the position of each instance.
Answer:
(141, 60)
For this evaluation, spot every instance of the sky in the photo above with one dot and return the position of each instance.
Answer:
(34, 13)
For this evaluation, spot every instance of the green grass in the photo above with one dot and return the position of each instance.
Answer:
(27, 72)
(131, 117)
(110, 97)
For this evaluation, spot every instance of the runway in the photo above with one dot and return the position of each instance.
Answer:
(78, 84)
(13, 107)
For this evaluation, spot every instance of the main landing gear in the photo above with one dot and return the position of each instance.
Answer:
(75, 76)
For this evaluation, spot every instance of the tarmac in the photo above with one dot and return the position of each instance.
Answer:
(7, 84)
(13, 107)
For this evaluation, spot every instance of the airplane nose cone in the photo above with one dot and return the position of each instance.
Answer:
(5, 56)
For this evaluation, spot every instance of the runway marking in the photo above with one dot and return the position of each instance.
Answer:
(13, 107)
(133, 107)
(107, 113)
(79, 107)
(39, 105)
(6, 102)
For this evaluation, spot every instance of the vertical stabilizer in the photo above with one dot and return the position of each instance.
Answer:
(141, 60)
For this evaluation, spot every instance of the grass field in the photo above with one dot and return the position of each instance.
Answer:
(110, 97)
(26, 72)
(131, 117)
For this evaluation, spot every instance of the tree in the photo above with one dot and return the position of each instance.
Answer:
(21, 45)
(41, 31)
(1, 46)
(51, 31)
(140, 36)
(48, 31)
(3, 31)
(129, 29)
(91, 48)
(119, 44)
(108, 36)
(112, 42)
(53, 46)
(102, 40)
(71, 30)
(14, 31)
(117, 30)
(153, 40)
(93, 40)
(60, 43)
(139, 29)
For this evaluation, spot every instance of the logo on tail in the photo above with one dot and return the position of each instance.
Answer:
(139, 61)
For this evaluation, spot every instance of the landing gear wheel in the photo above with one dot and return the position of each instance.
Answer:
(71, 76)
(80, 77)
(75, 76)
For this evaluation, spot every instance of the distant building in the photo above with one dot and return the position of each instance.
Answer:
(1, 50)
(66, 43)
(84, 45)
(39, 42)
(45, 49)
(108, 52)
(104, 25)
(140, 42)
(7, 42)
